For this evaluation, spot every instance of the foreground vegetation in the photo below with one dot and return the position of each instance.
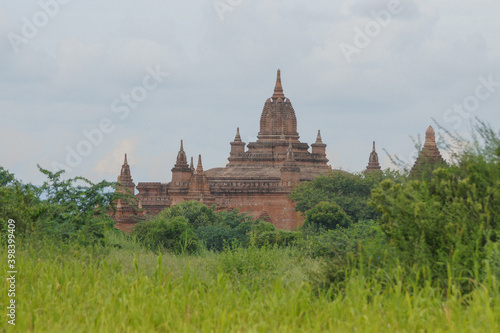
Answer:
(378, 252)
(105, 289)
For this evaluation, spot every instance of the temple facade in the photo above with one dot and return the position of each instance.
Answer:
(257, 180)
(258, 177)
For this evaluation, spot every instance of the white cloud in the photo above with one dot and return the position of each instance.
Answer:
(112, 161)
(222, 72)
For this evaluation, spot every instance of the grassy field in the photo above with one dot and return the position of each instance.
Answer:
(64, 288)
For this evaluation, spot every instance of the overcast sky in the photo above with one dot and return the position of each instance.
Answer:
(139, 76)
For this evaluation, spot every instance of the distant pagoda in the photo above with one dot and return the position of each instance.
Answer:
(429, 157)
(373, 164)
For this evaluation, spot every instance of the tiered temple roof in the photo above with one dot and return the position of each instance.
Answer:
(429, 157)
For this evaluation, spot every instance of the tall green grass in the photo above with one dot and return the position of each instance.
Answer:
(66, 288)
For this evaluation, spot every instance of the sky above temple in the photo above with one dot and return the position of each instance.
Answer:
(84, 82)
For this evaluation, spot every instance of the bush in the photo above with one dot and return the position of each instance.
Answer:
(196, 213)
(174, 234)
(230, 228)
(327, 215)
(17, 202)
(448, 221)
(342, 242)
(350, 191)
(73, 209)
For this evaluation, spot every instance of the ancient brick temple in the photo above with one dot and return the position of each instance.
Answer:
(373, 164)
(429, 157)
(257, 180)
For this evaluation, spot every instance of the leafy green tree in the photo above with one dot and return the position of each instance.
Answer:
(197, 213)
(351, 192)
(328, 215)
(174, 234)
(449, 221)
(68, 209)
(230, 228)
(76, 208)
(18, 202)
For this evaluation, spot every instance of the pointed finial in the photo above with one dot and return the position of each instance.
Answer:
(373, 146)
(125, 161)
(192, 163)
(430, 136)
(278, 89)
(237, 138)
(199, 168)
(181, 157)
(318, 138)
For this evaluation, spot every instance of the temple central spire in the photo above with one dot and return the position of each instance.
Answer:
(278, 89)
(278, 117)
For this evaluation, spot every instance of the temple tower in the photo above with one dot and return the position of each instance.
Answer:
(237, 146)
(277, 115)
(319, 148)
(126, 184)
(373, 164)
(181, 172)
(125, 214)
(198, 186)
(429, 157)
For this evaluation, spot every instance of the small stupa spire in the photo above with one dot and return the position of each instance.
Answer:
(278, 89)
(237, 138)
(430, 136)
(318, 138)
(199, 168)
(125, 171)
(192, 163)
(373, 164)
(181, 156)
(181, 162)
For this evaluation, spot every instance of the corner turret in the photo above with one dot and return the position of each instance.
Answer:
(181, 173)
(237, 146)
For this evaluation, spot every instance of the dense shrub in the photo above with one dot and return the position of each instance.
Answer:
(73, 209)
(350, 191)
(76, 208)
(229, 228)
(448, 221)
(174, 234)
(315, 241)
(327, 215)
(17, 202)
(197, 213)
(215, 230)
